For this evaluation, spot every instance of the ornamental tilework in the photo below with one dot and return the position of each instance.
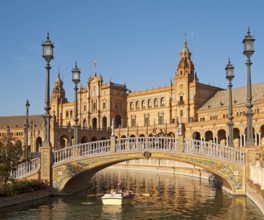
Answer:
(234, 173)
(63, 173)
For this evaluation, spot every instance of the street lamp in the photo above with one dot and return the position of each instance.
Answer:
(69, 134)
(229, 76)
(8, 133)
(248, 42)
(47, 54)
(26, 131)
(76, 79)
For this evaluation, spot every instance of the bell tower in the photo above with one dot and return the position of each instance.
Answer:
(185, 67)
(58, 98)
(185, 81)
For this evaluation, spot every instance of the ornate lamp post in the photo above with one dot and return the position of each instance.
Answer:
(47, 46)
(26, 125)
(46, 150)
(8, 133)
(248, 42)
(76, 79)
(69, 134)
(229, 76)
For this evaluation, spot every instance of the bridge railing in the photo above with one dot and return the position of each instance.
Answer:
(146, 143)
(26, 168)
(81, 150)
(214, 150)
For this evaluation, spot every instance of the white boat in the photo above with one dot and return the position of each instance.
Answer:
(116, 198)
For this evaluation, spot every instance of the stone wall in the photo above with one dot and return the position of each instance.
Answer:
(255, 193)
(166, 166)
(25, 197)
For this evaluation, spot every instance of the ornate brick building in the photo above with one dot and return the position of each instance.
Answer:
(202, 109)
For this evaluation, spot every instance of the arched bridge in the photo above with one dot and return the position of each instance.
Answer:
(74, 166)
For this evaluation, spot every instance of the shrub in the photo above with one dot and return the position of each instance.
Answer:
(22, 187)
(6, 191)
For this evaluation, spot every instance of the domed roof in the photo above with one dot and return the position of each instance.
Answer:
(185, 51)
(185, 66)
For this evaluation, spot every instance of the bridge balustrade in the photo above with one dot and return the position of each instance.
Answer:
(81, 150)
(168, 144)
(214, 150)
(26, 168)
(146, 143)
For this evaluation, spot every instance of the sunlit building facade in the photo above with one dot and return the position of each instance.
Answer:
(201, 109)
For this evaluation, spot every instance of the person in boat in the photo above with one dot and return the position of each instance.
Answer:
(119, 188)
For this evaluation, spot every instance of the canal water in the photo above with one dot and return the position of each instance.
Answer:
(157, 196)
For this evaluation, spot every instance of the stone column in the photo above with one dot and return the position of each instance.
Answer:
(250, 159)
(46, 165)
(180, 144)
(113, 144)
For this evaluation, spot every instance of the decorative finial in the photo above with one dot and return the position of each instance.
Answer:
(185, 41)
(59, 73)
(48, 36)
(248, 30)
(75, 63)
(95, 63)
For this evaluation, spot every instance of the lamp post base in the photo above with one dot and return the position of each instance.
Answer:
(46, 165)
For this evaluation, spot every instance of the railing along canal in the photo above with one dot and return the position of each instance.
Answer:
(146, 143)
(214, 150)
(191, 146)
(82, 150)
(150, 144)
(26, 168)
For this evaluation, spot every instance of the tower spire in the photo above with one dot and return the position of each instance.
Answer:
(185, 41)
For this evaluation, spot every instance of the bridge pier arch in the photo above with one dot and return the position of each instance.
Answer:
(228, 163)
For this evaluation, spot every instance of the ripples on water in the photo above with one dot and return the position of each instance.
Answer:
(158, 196)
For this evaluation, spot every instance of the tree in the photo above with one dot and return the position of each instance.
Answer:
(10, 156)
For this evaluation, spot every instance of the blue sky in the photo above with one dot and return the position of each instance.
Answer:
(137, 42)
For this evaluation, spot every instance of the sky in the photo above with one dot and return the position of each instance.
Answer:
(136, 42)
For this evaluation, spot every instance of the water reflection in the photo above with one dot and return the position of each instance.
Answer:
(158, 196)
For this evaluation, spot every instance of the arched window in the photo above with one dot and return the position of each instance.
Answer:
(131, 106)
(71, 114)
(143, 104)
(155, 102)
(149, 103)
(162, 102)
(118, 121)
(84, 123)
(94, 122)
(137, 105)
(94, 106)
(38, 144)
(104, 123)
